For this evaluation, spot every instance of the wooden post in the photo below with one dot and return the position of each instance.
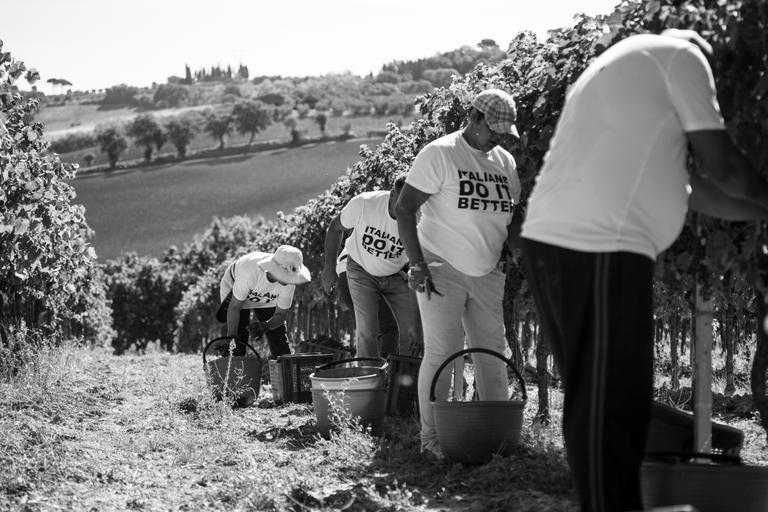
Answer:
(702, 371)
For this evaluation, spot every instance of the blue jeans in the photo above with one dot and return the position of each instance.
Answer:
(471, 305)
(367, 292)
(387, 323)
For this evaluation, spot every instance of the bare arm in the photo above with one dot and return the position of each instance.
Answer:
(706, 198)
(333, 239)
(233, 316)
(733, 177)
(407, 207)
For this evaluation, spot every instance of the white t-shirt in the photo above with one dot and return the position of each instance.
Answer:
(375, 240)
(615, 176)
(341, 262)
(249, 282)
(472, 194)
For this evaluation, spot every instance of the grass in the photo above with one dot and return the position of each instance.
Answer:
(81, 429)
(147, 209)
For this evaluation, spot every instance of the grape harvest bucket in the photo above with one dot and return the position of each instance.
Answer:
(232, 377)
(357, 388)
(471, 432)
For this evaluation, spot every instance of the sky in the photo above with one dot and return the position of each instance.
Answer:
(96, 44)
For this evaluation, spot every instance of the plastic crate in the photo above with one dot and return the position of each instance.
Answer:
(276, 378)
(403, 396)
(295, 370)
(671, 431)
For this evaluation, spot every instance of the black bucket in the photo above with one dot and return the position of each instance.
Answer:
(235, 377)
(471, 432)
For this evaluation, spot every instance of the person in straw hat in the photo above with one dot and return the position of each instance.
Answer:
(263, 283)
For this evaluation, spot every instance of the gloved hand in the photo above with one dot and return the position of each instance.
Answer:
(257, 329)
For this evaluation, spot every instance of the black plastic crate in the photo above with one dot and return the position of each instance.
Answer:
(295, 370)
(403, 396)
(671, 431)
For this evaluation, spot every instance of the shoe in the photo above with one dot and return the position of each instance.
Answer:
(432, 453)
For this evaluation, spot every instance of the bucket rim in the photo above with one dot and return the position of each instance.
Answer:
(479, 403)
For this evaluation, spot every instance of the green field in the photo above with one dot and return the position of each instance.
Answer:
(147, 209)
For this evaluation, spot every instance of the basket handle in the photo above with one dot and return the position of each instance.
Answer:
(683, 456)
(476, 350)
(331, 364)
(205, 350)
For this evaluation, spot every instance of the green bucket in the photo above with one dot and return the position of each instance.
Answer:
(472, 432)
(352, 388)
(236, 377)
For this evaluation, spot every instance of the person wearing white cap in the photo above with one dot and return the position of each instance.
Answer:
(466, 187)
(611, 196)
(263, 283)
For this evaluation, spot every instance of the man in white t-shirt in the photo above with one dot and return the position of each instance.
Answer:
(263, 283)
(466, 187)
(613, 193)
(374, 269)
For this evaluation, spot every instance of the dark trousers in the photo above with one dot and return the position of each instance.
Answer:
(277, 339)
(595, 311)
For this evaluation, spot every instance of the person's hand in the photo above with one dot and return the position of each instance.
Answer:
(257, 329)
(420, 279)
(328, 280)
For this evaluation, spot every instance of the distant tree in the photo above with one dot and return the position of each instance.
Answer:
(187, 75)
(88, 159)
(159, 138)
(218, 125)
(292, 123)
(113, 143)
(120, 95)
(272, 99)
(321, 119)
(389, 77)
(416, 87)
(233, 90)
(251, 117)
(144, 132)
(242, 72)
(181, 131)
(170, 96)
(440, 77)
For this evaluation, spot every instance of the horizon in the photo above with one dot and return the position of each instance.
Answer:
(144, 42)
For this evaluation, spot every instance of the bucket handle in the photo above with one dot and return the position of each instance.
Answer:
(205, 350)
(676, 457)
(476, 350)
(331, 364)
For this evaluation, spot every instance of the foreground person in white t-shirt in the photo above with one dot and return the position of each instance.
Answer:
(374, 269)
(466, 187)
(611, 196)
